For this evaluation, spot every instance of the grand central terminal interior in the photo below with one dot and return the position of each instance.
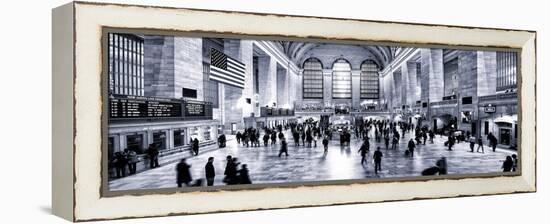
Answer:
(192, 98)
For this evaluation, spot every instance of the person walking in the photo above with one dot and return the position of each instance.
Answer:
(120, 161)
(273, 138)
(325, 144)
(132, 158)
(451, 142)
(493, 141)
(432, 135)
(153, 154)
(244, 178)
(508, 164)
(266, 139)
(227, 171)
(411, 147)
(442, 164)
(377, 160)
(364, 150)
(387, 141)
(472, 141)
(183, 173)
(515, 159)
(238, 137)
(221, 141)
(480, 145)
(210, 172)
(315, 138)
(284, 148)
(196, 146)
(296, 137)
(394, 142)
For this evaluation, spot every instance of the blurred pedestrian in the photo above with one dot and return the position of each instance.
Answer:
(184, 174)
(210, 172)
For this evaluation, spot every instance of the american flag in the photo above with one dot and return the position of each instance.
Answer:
(226, 70)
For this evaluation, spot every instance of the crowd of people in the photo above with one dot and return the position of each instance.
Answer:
(307, 135)
(232, 173)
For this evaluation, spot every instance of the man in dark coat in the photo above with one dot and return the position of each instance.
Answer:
(377, 160)
(222, 140)
(364, 150)
(184, 174)
(442, 164)
(284, 148)
(243, 175)
(411, 147)
(153, 154)
(325, 144)
(273, 138)
(233, 172)
(210, 172)
(508, 164)
(266, 139)
(493, 141)
(196, 146)
(120, 161)
(227, 171)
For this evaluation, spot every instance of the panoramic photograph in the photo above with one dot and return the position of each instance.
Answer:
(196, 112)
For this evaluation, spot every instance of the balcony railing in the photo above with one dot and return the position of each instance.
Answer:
(503, 96)
(275, 112)
(444, 102)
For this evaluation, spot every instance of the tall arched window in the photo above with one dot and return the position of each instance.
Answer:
(341, 79)
(369, 80)
(313, 79)
(506, 70)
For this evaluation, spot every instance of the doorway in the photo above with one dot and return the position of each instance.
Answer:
(505, 136)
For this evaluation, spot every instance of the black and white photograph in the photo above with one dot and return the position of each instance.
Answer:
(199, 111)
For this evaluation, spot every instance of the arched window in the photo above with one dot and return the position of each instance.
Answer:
(369, 80)
(506, 70)
(313, 79)
(341, 79)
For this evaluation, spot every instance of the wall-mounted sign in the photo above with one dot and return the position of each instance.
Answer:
(194, 109)
(489, 108)
(143, 107)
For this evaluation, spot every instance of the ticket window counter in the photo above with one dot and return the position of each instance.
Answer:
(505, 136)
(135, 142)
(159, 139)
(193, 134)
(179, 138)
(207, 133)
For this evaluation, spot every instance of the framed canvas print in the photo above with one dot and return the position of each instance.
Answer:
(158, 110)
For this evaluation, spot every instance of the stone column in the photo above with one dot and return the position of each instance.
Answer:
(409, 82)
(122, 143)
(170, 138)
(282, 86)
(405, 88)
(235, 105)
(432, 74)
(431, 82)
(267, 79)
(397, 89)
(486, 73)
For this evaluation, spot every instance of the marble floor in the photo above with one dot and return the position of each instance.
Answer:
(311, 164)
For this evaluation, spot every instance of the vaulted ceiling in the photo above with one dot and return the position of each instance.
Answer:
(296, 51)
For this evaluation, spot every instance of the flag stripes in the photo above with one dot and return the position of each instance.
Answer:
(226, 70)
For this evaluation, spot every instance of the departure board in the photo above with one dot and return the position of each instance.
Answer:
(194, 109)
(143, 107)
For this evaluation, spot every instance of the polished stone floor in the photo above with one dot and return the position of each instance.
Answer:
(310, 164)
